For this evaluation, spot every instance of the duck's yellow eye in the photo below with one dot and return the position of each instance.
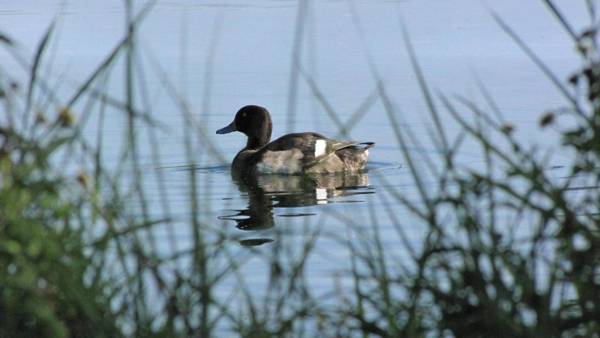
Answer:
(243, 114)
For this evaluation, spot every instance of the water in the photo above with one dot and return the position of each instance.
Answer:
(221, 55)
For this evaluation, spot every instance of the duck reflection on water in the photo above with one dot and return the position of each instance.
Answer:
(267, 192)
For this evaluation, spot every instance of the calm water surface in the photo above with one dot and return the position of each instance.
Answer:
(221, 55)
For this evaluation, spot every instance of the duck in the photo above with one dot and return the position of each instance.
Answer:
(295, 153)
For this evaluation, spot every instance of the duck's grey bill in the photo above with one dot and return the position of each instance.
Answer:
(230, 128)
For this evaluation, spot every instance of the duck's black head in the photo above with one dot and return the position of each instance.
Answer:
(255, 122)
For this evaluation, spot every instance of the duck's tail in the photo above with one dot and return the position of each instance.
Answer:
(355, 156)
(342, 156)
(364, 145)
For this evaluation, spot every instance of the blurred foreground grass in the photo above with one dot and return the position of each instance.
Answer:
(508, 252)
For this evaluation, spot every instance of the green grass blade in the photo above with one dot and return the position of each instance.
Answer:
(561, 87)
(34, 69)
(561, 19)
(425, 90)
(112, 55)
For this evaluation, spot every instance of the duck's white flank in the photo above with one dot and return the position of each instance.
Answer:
(320, 146)
(281, 162)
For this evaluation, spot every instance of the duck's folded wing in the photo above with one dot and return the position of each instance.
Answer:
(307, 152)
(288, 154)
(332, 146)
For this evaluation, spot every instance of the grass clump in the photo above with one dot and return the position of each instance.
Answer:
(511, 249)
(46, 289)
